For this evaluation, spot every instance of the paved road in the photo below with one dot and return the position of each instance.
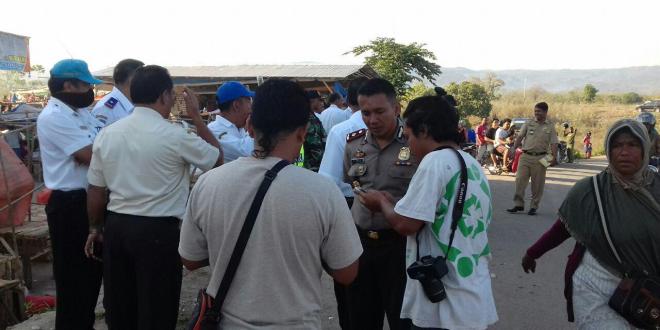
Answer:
(524, 301)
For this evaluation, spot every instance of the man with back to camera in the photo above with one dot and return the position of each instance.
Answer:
(378, 158)
(536, 137)
(66, 131)
(462, 298)
(144, 162)
(335, 113)
(235, 104)
(117, 104)
(303, 223)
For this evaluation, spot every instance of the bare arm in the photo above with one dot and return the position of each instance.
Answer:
(84, 155)
(192, 265)
(192, 106)
(346, 275)
(97, 199)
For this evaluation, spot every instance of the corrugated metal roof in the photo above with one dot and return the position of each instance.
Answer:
(268, 71)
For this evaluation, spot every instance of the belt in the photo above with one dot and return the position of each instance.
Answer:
(531, 153)
(383, 235)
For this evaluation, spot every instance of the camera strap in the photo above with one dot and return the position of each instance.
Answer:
(457, 212)
(244, 235)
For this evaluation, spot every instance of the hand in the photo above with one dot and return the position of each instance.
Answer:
(94, 236)
(372, 199)
(192, 104)
(528, 264)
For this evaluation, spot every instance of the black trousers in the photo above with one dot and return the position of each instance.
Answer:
(77, 278)
(142, 271)
(378, 289)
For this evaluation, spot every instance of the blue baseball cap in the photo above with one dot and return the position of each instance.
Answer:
(75, 69)
(230, 91)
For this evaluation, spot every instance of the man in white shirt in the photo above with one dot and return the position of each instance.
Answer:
(117, 104)
(335, 113)
(502, 141)
(332, 164)
(302, 228)
(425, 216)
(66, 132)
(144, 162)
(235, 104)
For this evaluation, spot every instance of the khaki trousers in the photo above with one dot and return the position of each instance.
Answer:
(529, 167)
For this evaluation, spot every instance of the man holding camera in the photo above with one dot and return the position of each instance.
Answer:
(449, 285)
(378, 159)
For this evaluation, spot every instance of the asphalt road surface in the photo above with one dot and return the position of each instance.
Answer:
(524, 301)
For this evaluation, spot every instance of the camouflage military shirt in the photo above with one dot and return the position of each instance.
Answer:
(314, 144)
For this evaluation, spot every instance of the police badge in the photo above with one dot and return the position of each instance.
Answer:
(404, 154)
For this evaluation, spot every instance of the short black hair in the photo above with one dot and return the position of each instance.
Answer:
(505, 120)
(541, 105)
(125, 69)
(149, 83)
(434, 116)
(352, 93)
(56, 85)
(312, 94)
(334, 97)
(279, 107)
(376, 86)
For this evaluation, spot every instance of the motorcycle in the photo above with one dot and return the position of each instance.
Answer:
(498, 168)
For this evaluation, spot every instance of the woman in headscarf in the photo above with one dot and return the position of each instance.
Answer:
(630, 193)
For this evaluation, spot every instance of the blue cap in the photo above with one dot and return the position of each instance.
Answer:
(76, 69)
(230, 91)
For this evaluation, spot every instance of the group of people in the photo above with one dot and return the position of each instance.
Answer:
(386, 216)
(495, 138)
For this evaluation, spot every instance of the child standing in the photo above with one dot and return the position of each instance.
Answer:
(587, 145)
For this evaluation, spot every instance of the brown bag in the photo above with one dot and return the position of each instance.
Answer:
(636, 299)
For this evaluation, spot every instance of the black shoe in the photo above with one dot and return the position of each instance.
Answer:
(515, 209)
(531, 212)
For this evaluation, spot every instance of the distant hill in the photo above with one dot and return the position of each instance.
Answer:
(642, 80)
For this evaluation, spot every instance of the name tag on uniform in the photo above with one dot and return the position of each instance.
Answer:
(84, 127)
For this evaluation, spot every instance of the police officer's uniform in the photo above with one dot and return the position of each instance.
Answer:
(235, 142)
(63, 131)
(380, 284)
(112, 107)
(537, 138)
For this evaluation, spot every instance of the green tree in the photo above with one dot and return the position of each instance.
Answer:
(631, 98)
(491, 84)
(589, 93)
(399, 63)
(417, 90)
(38, 68)
(472, 98)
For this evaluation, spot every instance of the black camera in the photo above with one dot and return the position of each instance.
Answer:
(430, 271)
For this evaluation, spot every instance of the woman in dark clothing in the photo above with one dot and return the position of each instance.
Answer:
(630, 192)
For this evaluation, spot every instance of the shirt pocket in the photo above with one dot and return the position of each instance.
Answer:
(403, 172)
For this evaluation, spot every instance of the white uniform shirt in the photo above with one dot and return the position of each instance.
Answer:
(62, 131)
(235, 142)
(332, 116)
(144, 161)
(332, 163)
(112, 107)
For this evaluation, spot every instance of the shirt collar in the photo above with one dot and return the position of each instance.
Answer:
(224, 122)
(356, 114)
(58, 103)
(125, 102)
(398, 135)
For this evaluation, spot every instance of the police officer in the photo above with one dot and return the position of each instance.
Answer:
(535, 137)
(117, 104)
(378, 158)
(66, 132)
(235, 104)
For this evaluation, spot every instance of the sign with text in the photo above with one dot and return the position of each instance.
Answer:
(14, 52)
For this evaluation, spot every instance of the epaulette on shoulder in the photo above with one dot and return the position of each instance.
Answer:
(111, 103)
(356, 135)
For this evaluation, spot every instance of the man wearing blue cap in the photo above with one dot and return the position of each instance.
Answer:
(66, 132)
(235, 104)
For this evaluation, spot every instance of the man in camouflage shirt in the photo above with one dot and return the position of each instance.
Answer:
(314, 144)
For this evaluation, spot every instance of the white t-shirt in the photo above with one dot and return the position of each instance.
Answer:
(500, 134)
(332, 116)
(62, 131)
(303, 220)
(430, 198)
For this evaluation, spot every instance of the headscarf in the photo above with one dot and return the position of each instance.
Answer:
(632, 211)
